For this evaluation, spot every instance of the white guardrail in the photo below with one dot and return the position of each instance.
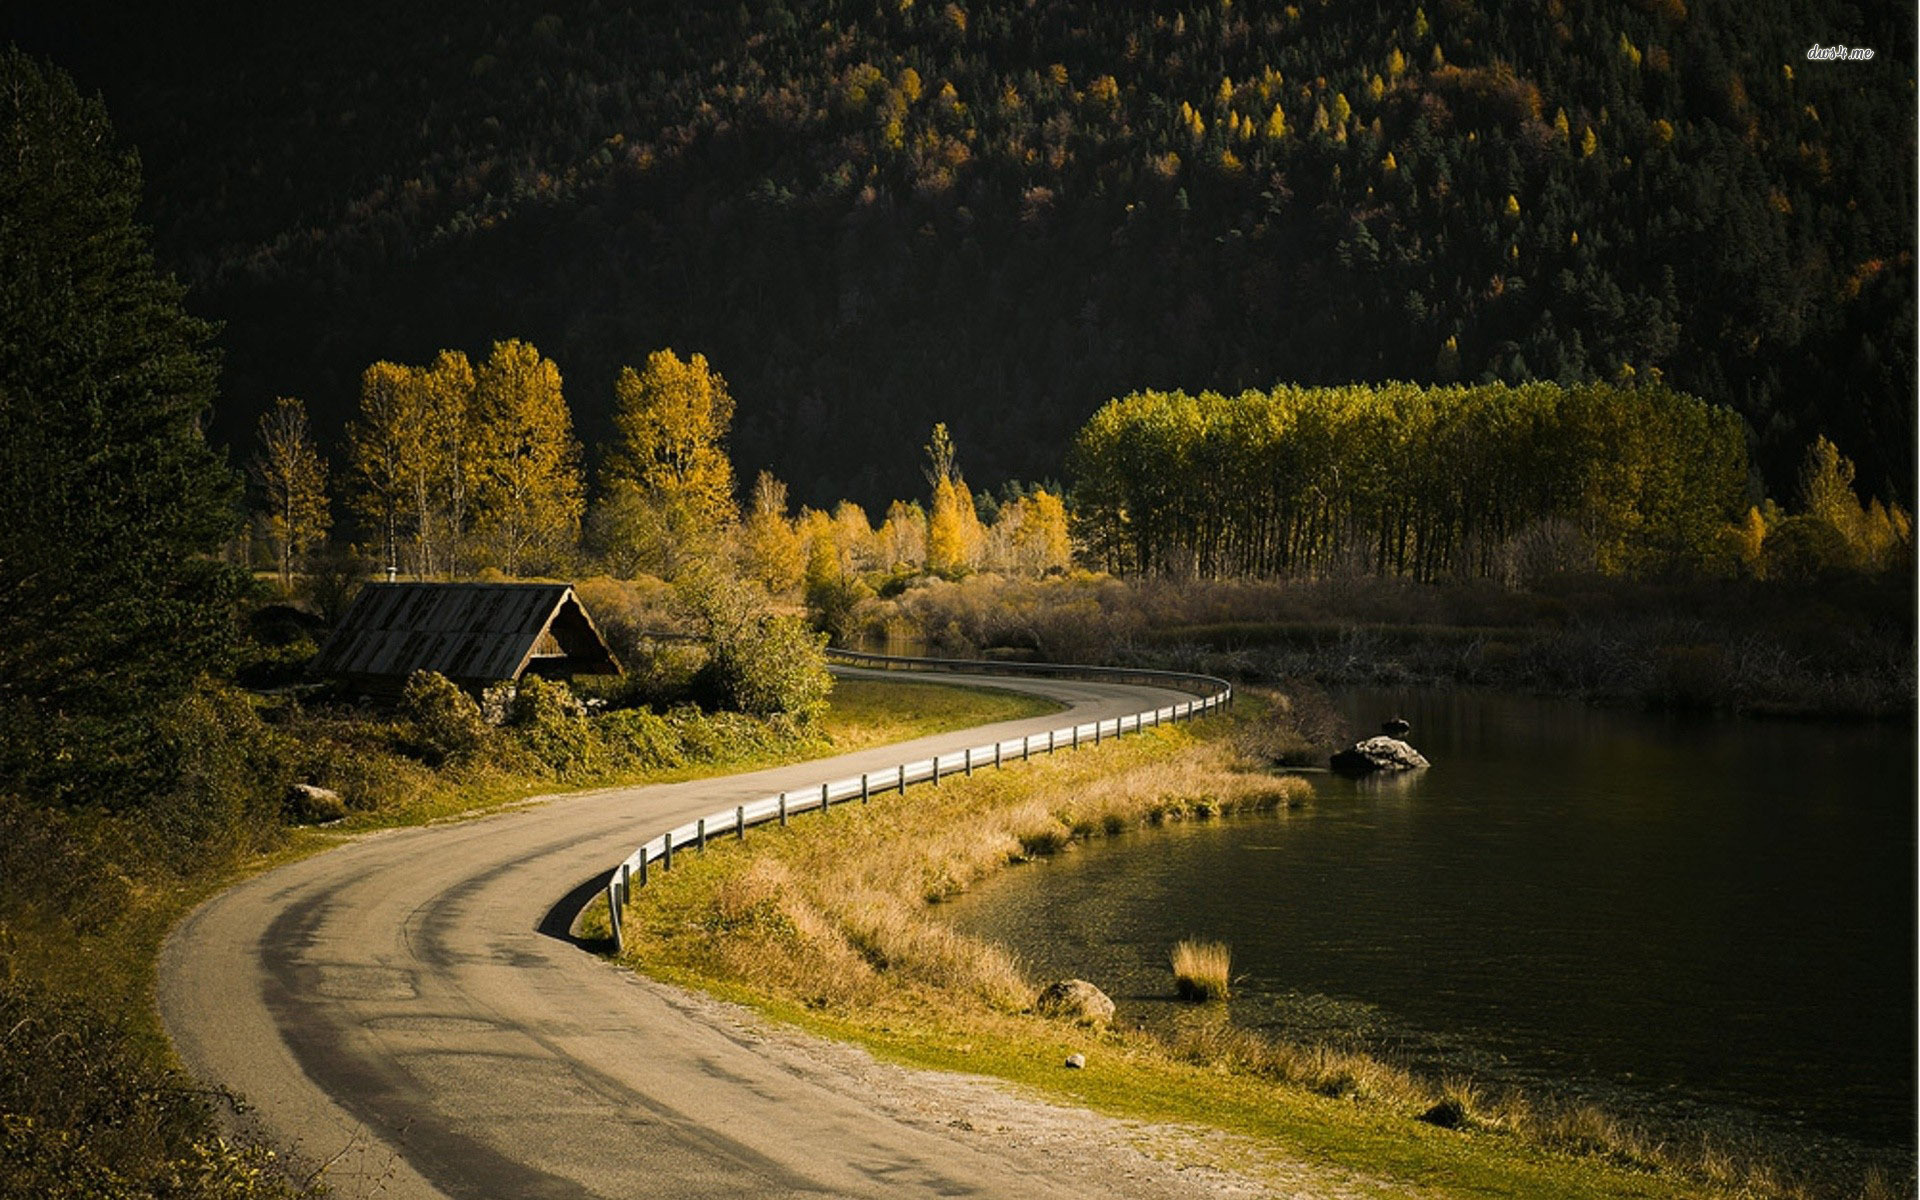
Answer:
(1213, 694)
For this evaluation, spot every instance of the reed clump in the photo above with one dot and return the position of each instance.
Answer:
(1200, 970)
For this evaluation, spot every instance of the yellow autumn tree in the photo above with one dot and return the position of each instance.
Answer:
(770, 548)
(902, 539)
(946, 537)
(853, 539)
(445, 477)
(383, 445)
(1873, 534)
(671, 419)
(1745, 538)
(530, 497)
(292, 478)
(666, 485)
(1043, 543)
(955, 538)
(815, 531)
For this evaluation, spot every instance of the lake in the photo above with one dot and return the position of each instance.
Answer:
(1703, 921)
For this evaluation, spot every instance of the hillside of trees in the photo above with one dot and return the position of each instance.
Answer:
(871, 217)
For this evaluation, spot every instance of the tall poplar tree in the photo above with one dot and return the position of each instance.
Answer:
(446, 477)
(110, 602)
(666, 485)
(529, 500)
(384, 447)
(293, 484)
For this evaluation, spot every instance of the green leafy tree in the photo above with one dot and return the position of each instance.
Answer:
(110, 604)
(759, 662)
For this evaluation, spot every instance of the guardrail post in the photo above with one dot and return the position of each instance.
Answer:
(613, 915)
(936, 770)
(823, 798)
(740, 823)
(626, 882)
(865, 793)
(666, 856)
(1026, 746)
(969, 760)
(1076, 737)
(1050, 741)
(700, 834)
(996, 755)
(1096, 732)
(902, 768)
(783, 810)
(643, 866)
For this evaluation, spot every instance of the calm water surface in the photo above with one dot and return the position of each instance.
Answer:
(1711, 921)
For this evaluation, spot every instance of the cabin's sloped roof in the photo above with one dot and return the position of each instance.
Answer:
(465, 631)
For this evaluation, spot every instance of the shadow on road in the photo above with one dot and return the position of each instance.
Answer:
(559, 921)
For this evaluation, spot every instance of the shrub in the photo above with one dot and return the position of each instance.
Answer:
(760, 663)
(447, 723)
(640, 739)
(1805, 548)
(551, 723)
(84, 1115)
(770, 665)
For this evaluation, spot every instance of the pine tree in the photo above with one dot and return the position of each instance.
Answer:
(110, 602)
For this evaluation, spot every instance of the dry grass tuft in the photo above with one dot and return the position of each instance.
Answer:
(1200, 970)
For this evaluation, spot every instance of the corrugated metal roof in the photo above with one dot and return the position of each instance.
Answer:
(469, 632)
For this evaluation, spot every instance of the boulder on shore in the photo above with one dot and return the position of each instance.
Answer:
(306, 804)
(1075, 1000)
(1378, 754)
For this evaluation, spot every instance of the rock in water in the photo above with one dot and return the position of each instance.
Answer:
(1075, 1000)
(1378, 754)
(1396, 727)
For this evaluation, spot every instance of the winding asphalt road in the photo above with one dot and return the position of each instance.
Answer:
(410, 1008)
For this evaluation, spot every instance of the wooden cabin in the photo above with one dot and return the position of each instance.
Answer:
(476, 634)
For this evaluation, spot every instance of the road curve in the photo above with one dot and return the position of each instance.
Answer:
(410, 1008)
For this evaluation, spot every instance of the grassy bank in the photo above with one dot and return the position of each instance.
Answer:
(90, 1103)
(830, 926)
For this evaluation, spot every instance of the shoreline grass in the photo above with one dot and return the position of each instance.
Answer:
(1200, 970)
(830, 928)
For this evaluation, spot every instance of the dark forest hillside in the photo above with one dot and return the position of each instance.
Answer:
(871, 217)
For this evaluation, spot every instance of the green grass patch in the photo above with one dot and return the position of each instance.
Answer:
(875, 712)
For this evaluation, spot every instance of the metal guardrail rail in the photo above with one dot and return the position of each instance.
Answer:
(1212, 695)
